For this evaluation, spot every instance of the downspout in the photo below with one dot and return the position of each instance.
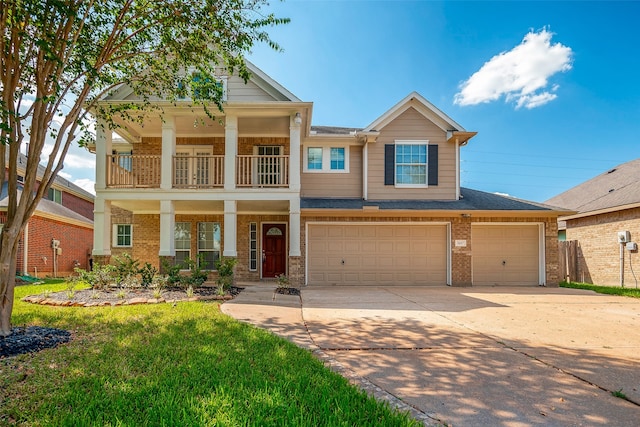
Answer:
(365, 170)
(457, 169)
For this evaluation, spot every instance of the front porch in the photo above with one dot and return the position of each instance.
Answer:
(265, 244)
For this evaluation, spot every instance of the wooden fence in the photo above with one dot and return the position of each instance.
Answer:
(568, 254)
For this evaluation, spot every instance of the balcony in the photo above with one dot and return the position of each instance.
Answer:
(199, 172)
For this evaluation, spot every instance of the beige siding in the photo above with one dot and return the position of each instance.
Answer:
(412, 125)
(238, 91)
(344, 185)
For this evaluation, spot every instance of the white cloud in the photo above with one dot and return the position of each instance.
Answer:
(86, 184)
(65, 175)
(520, 75)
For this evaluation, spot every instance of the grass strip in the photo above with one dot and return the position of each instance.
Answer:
(610, 290)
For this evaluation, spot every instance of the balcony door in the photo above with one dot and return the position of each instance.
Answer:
(193, 167)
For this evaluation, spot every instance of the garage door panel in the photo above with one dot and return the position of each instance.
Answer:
(505, 254)
(389, 254)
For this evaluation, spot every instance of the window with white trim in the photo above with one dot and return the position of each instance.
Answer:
(209, 244)
(411, 163)
(200, 86)
(182, 240)
(326, 159)
(122, 235)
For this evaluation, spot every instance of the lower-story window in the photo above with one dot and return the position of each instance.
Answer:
(208, 244)
(122, 235)
(182, 238)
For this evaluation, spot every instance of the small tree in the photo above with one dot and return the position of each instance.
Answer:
(60, 56)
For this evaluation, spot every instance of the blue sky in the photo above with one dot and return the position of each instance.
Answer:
(550, 112)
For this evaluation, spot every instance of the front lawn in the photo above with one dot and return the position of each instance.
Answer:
(611, 290)
(175, 365)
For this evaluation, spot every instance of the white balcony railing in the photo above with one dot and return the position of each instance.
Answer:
(262, 171)
(144, 171)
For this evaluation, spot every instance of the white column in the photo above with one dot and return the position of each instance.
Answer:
(230, 152)
(294, 153)
(167, 227)
(168, 151)
(101, 226)
(103, 148)
(294, 227)
(230, 228)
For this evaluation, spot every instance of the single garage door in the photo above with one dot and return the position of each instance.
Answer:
(376, 254)
(506, 254)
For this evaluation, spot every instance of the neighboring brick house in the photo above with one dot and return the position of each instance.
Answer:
(66, 215)
(606, 205)
(380, 205)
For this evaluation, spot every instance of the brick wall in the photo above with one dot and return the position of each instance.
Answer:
(78, 205)
(76, 243)
(599, 250)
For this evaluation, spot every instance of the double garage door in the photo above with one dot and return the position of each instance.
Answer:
(376, 254)
(417, 254)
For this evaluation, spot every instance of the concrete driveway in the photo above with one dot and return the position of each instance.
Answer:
(478, 356)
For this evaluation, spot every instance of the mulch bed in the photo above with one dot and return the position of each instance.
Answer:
(116, 297)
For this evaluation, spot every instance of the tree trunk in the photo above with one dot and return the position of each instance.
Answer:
(8, 261)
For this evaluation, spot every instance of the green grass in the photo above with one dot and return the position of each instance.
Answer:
(159, 365)
(611, 290)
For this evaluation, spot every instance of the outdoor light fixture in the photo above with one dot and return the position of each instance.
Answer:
(297, 119)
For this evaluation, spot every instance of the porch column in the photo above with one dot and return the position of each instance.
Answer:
(294, 227)
(230, 227)
(230, 153)
(101, 227)
(168, 151)
(294, 153)
(103, 148)
(167, 226)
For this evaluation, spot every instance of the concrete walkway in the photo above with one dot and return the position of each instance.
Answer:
(470, 356)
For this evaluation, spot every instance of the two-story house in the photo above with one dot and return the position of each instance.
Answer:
(59, 236)
(380, 205)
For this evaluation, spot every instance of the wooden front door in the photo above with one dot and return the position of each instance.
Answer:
(274, 250)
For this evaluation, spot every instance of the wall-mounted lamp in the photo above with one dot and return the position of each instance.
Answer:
(465, 215)
(297, 119)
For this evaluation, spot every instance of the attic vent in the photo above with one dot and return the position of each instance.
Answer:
(612, 171)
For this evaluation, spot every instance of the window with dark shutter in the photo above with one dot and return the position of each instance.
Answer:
(432, 164)
(389, 164)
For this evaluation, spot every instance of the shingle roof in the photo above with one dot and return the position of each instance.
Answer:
(333, 130)
(471, 200)
(60, 181)
(52, 208)
(619, 186)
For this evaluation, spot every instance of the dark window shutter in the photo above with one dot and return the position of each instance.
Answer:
(389, 164)
(433, 165)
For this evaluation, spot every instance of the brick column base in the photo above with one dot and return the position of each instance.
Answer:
(101, 260)
(295, 272)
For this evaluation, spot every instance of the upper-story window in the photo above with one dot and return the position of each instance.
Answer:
(326, 159)
(411, 163)
(55, 195)
(201, 87)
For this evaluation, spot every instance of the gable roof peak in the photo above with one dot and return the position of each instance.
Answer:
(423, 106)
